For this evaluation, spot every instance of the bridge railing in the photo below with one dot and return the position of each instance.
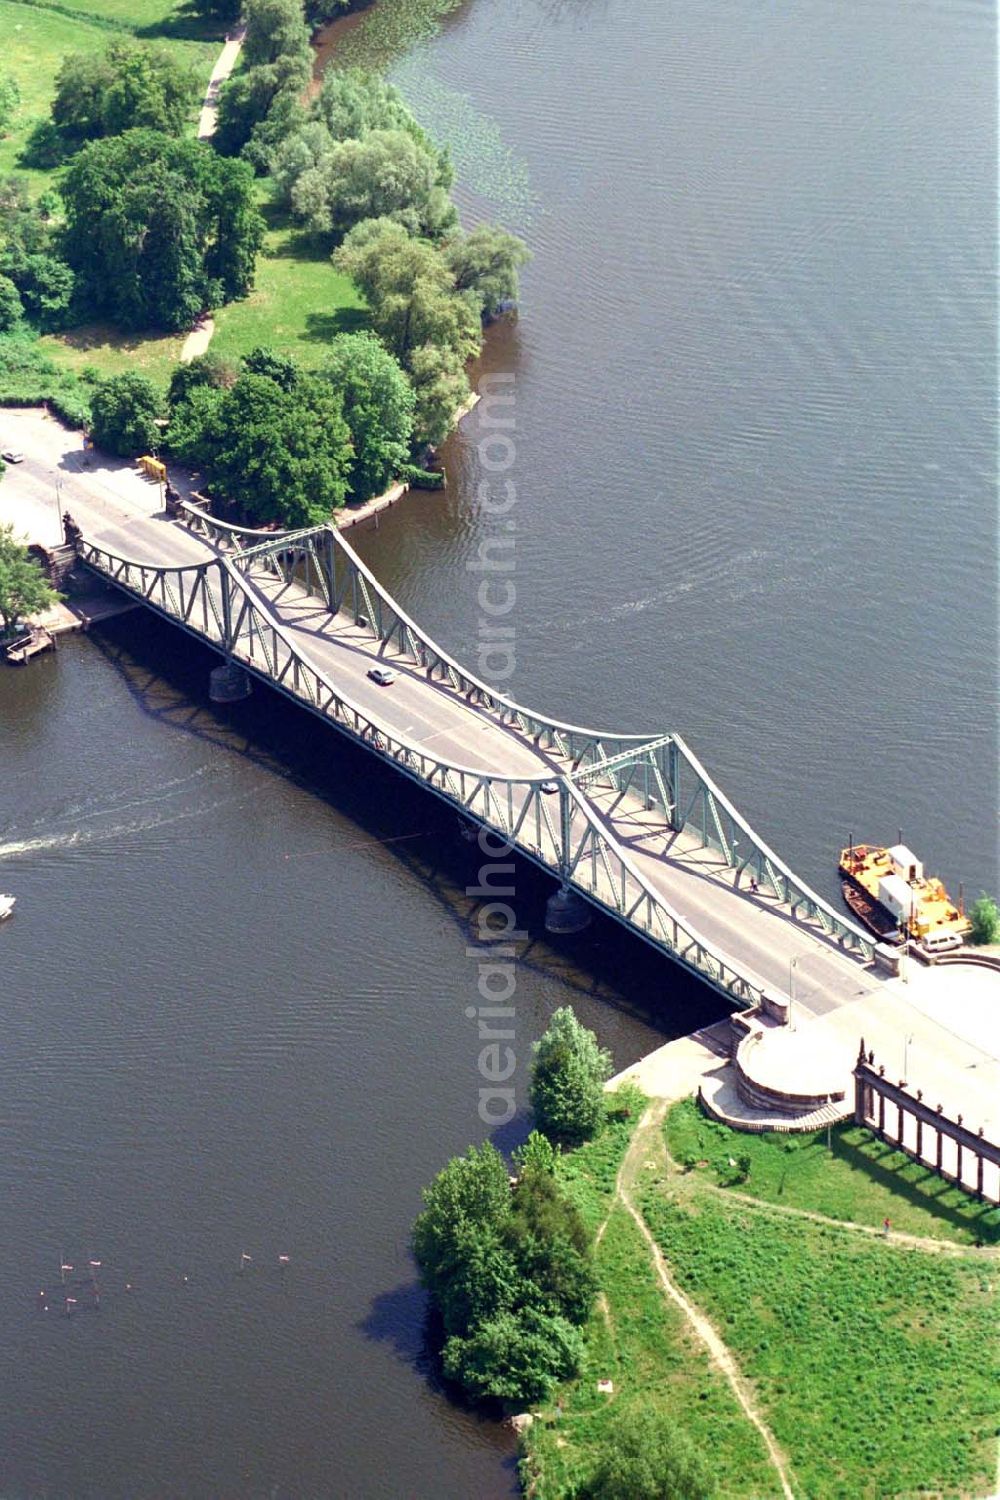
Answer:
(662, 771)
(701, 806)
(565, 834)
(321, 559)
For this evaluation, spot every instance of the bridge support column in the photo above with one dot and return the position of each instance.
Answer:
(228, 683)
(565, 912)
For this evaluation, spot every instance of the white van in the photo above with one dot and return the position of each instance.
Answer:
(940, 942)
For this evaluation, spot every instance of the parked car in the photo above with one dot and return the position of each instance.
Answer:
(382, 676)
(11, 456)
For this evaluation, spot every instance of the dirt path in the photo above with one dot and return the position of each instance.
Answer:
(895, 1237)
(646, 1143)
(200, 336)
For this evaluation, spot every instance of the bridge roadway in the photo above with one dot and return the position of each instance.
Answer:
(755, 933)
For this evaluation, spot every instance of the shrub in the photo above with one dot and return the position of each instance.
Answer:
(985, 918)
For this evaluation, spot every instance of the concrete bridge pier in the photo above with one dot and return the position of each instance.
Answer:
(228, 683)
(566, 912)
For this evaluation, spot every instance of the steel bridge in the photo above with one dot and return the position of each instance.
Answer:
(633, 824)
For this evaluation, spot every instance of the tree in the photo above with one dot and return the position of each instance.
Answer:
(645, 1457)
(275, 28)
(409, 289)
(10, 98)
(46, 285)
(278, 455)
(24, 589)
(11, 307)
(536, 1155)
(384, 174)
(194, 431)
(280, 368)
(440, 386)
(260, 106)
(468, 1200)
(985, 918)
(159, 229)
(516, 1356)
(352, 102)
(486, 262)
(207, 369)
(124, 410)
(551, 1248)
(567, 1080)
(378, 405)
(130, 85)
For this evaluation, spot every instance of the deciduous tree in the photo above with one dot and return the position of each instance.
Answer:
(124, 410)
(378, 405)
(159, 229)
(644, 1456)
(130, 85)
(486, 262)
(985, 918)
(567, 1080)
(10, 98)
(24, 589)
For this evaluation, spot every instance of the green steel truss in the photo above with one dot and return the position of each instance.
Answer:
(569, 834)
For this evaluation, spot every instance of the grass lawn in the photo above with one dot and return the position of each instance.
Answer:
(876, 1365)
(298, 303)
(36, 41)
(862, 1180)
(110, 352)
(638, 1340)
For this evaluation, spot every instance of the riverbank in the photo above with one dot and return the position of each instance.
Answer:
(699, 1275)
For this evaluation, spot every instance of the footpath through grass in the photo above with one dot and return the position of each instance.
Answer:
(876, 1365)
(860, 1180)
(639, 1341)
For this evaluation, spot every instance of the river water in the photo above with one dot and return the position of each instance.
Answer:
(753, 460)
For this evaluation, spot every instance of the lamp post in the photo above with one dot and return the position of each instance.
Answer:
(792, 966)
(906, 1056)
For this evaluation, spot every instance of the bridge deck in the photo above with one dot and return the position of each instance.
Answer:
(833, 990)
(753, 930)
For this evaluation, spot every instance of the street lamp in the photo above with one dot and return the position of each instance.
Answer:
(59, 524)
(906, 1055)
(792, 966)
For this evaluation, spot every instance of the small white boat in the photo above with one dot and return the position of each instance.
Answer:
(6, 906)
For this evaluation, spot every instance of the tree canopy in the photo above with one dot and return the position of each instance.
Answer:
(24, 589)
(130, 85)
(274, 444)
(644, 1456)
(567, 1080)
(409, 289)
(510, 1273)
(158, 229)
(124, 410)
(985, 918)
(386, 173)
(486, 262)
(378, 405)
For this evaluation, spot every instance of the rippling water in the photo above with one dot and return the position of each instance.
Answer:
(755, 464)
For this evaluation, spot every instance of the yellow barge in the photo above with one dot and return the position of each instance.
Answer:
(887, 890)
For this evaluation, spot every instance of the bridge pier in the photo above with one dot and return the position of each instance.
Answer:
(228, 683)
(566, 912)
